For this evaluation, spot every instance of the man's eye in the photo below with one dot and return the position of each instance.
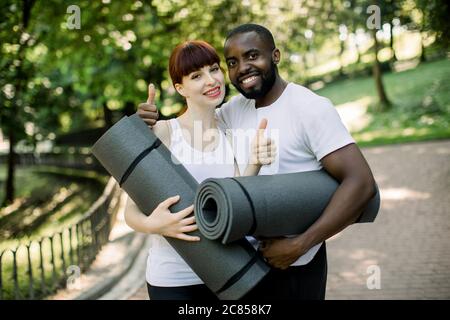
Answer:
(253, 56)
(231, 63)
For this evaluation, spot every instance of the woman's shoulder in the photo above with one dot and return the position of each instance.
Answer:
(162, 130)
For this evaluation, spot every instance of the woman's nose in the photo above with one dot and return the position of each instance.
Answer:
(210, 80)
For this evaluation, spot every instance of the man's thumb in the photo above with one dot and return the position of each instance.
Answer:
(151, 94)
(262, 126)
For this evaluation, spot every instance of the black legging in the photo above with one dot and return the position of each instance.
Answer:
(307, 282)
(198, 292)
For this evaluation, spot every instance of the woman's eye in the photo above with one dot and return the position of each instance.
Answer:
(213, 69)
(195, 76)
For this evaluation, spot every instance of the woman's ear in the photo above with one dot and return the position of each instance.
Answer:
(180, 89)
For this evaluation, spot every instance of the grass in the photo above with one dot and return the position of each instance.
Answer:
(48, 200)
(420, 104)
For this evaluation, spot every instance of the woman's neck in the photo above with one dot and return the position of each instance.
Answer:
(201, 115)
(200, 127)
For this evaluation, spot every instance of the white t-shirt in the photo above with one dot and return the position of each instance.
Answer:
(305, 126)
(165, 267)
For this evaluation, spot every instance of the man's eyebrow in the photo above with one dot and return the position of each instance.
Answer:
(246, 53)
(252, 50)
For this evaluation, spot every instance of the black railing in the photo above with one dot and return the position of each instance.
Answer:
(75, 160)
(37, 269)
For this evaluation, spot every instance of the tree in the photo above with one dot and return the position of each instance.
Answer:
(15, 72)
(383, 101)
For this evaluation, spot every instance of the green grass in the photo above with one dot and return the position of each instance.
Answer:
(420, 104)
(49, 199)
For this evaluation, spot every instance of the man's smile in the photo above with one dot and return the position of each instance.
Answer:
(249, 81)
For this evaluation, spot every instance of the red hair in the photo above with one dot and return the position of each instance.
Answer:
(190, 56)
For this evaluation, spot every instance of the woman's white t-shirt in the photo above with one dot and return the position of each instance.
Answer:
(165, 267)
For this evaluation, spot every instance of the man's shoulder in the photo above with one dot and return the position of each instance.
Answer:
(236, 103)
(303, 93)
(307, 100)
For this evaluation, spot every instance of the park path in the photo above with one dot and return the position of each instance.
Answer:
(405, 254)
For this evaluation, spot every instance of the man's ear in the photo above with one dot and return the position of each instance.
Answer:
(180, 89)
(276, 55)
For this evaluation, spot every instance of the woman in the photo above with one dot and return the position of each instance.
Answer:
(194, 68)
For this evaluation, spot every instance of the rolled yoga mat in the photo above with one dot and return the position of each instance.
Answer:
(147, 171)
(228, 209)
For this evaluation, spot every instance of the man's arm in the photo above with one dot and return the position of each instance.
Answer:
(357, 187)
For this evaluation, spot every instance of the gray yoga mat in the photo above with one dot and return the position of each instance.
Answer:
(228, 209)
(144, 167)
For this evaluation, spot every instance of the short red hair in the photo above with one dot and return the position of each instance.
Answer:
(190, 56)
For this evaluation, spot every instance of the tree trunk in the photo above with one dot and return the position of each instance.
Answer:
(391, 43)
(21, 77)
(9, 187)
(423, 56)
(341, 59)
(358, 60)
(384, 102)
(108, 116)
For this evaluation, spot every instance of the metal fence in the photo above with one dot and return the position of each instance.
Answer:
(37, 269)
(64, 159)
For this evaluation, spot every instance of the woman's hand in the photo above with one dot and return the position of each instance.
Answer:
(174, 225)
(263, 150)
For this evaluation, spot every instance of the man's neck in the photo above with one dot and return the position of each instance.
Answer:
(273, 94)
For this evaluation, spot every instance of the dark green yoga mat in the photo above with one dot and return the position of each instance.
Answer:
(147, 171)
(228, 209)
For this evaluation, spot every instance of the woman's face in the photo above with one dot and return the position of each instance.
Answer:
(203, 87)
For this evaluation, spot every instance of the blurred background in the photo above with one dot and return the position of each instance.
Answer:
(71, 69)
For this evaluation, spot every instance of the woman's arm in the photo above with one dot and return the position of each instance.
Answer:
(161, 220)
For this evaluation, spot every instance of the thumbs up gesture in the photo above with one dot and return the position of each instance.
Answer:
(263, 150)
(148, 110)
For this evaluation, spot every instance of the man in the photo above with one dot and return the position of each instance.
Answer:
(311, 137)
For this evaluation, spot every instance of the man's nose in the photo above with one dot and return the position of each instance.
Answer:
(244, 68)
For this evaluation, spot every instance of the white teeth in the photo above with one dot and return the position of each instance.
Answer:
(212, 92)
(249, 79)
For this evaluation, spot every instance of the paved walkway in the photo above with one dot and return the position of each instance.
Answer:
(405, 254)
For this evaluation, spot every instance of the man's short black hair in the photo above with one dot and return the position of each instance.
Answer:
(263, 32)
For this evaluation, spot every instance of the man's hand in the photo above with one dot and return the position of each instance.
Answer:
(148, 110)
(282, 252)
(263, 150)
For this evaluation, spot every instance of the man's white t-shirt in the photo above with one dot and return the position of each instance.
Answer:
(305, 126)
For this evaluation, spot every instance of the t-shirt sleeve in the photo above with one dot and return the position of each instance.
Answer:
(324, 129)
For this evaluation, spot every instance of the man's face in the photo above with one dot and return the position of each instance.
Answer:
(250, 64)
